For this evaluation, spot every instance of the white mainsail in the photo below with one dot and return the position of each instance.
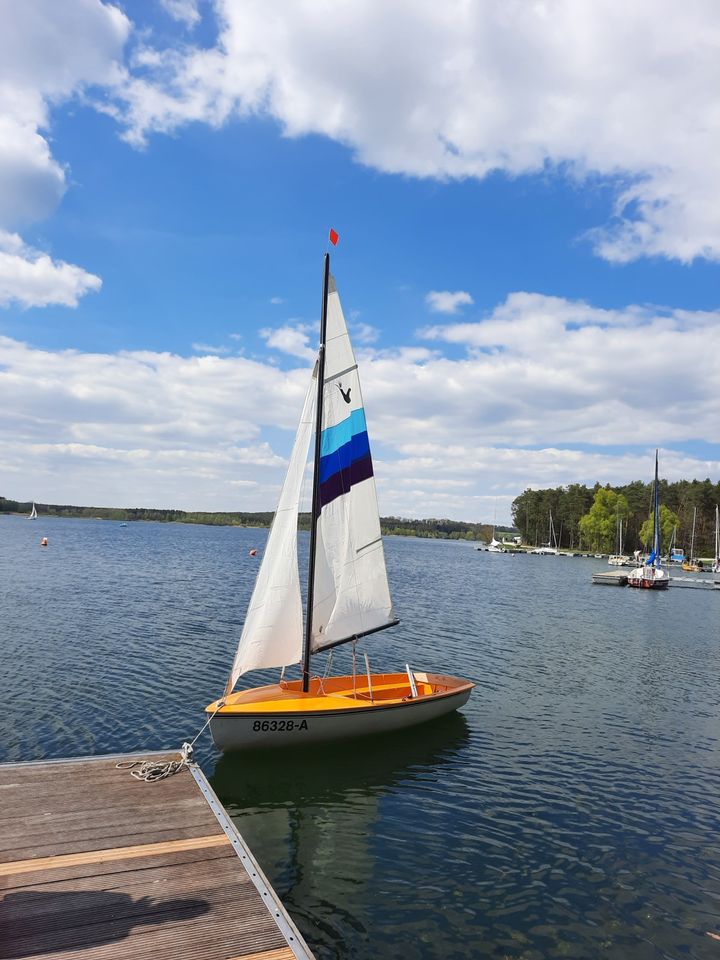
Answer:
(351, 593)
(272, 635)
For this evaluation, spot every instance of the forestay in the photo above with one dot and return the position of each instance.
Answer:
(351, 593)
(273, 632)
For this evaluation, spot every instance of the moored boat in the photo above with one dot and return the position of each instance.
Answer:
(334, 708)
(495, 546)
(549, 549)
(692, 564)
(619, 559)
(651, 576)
(348, 595)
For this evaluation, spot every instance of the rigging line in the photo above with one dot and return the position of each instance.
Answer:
(153, 770)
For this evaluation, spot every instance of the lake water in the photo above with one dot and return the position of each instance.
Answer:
(572, 809)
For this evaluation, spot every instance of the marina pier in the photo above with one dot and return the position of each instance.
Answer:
(98, 865)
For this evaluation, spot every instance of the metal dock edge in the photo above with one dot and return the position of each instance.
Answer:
(272, 901)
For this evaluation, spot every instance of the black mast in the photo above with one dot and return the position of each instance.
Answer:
(656, 524)
(315, 513)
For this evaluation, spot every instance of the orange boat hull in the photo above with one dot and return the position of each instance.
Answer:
(334, 708)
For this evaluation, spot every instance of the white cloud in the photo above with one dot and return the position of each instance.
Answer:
(364, 332)
(435, 480)
(49, 52)
(572, 86)
(145, 428)
(32, 279)
(209, 348)
(292, 340)
(547, 370)
(549, 392)
(186, 11)
(276, 300)
(466, 88)
(443, 301)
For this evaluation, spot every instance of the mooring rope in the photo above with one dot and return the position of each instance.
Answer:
(150, 771)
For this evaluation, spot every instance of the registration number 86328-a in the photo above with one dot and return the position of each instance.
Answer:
(266, 726)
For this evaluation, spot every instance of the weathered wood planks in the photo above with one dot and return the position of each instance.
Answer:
(99, 866)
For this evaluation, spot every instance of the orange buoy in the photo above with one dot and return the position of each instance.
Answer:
(253, 553)
(44, 542)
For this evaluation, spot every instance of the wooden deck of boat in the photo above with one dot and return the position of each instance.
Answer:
(97, 865)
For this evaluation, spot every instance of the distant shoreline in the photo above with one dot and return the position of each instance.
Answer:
(435, 529)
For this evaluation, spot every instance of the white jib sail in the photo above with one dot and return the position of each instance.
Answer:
(272, 635)
(351, 593)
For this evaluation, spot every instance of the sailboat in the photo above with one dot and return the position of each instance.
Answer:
(651, 575)
(551, 547)
(691, 565)
(33, 513)
(348, 596)
(675, 554)
(495, 546)
(716, 561)
(619, 559)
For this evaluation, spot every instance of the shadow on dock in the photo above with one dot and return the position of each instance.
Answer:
(34, 922)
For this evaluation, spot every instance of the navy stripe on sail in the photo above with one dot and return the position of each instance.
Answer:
(356, 447)
(339, 483)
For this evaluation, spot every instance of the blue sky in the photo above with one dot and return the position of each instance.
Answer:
(528, 257)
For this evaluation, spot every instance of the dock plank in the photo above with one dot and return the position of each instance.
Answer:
(100, 866)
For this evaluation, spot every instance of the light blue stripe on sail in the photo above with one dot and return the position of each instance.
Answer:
(333, 438)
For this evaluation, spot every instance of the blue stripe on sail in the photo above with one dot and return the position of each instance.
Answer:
(358, 446)
(332, 438)
(341, 482)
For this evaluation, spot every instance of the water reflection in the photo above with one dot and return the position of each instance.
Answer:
(320, 817)
(572, 810)
(338, 771)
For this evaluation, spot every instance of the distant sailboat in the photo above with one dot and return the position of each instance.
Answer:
(33, 513)
(348, 592)
(551, 547)
(691, 565)
(716, 561)
(651, 575)
(675, 554)
(495, 546)
(619, 559)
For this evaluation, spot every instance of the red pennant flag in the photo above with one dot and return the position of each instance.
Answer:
(334, 237)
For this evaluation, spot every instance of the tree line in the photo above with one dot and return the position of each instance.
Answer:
(390, 526)
(586, 517)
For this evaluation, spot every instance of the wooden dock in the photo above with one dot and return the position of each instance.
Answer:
(612, 578)
(697, 582)
(95, 865)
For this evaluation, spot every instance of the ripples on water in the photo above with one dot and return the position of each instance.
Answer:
(571, 810)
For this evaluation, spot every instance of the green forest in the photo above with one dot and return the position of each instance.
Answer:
(586, 517)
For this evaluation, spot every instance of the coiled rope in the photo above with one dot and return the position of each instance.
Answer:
(150, 771)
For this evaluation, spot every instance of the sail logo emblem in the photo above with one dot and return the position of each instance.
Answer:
(345, 393)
